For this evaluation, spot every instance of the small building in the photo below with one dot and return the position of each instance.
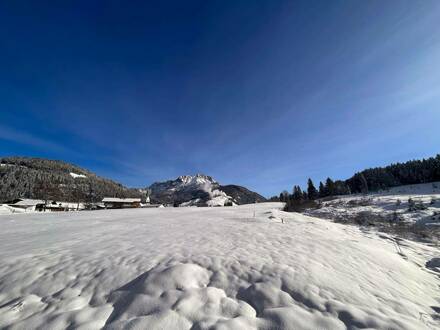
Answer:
(151, 206)
(121, 203)
(29, 205)
(55, 206)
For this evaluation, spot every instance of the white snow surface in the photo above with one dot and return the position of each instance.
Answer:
(76, 175)
(385, 204)
(6, 209)
(209, 268)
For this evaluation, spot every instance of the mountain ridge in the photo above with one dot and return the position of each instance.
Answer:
(201, 190)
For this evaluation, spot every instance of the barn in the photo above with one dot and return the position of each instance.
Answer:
(121, 203)
(27, 204)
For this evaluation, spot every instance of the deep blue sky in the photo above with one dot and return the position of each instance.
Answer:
(258, 93)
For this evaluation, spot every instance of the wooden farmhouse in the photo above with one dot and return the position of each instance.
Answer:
(121, 203)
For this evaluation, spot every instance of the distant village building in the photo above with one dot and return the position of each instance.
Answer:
(27, 204)
(36, 205)
(55, 206)
(121, 203)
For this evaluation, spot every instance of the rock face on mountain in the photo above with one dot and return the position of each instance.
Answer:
(200, 190)
(23, 177)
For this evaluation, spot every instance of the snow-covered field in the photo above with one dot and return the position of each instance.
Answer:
(389, 206)
(200, 268)
(6, 209)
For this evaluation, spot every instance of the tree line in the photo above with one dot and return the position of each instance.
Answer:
(369, 180)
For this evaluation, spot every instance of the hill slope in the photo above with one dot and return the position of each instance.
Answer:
(210, 268)
(411, 211)
(54, 179)
(242, 195)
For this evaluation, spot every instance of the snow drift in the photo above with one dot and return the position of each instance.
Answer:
(244, 267)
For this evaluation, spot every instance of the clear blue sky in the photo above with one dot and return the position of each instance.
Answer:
(258, 93)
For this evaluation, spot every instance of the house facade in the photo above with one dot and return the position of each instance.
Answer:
(121, 203)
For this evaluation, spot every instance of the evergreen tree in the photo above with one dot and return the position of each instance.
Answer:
(297, 193)
(287, 199)
(341, 188)
(284, 196)
(321, 189)
(312, 193)
(281, 197)
(364, 184)
(359, 183)
(330, 187)
(305, 196)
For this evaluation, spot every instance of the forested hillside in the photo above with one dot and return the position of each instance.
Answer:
(55, 180)
(411, 172)
(369, 180)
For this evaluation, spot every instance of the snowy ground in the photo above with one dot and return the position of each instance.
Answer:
(200, 268)
(6, 209)
(389, 206)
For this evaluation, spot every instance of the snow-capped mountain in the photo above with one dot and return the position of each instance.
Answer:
(200, 190)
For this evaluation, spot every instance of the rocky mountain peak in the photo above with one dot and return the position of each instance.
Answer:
(196, 179)
(200, 190)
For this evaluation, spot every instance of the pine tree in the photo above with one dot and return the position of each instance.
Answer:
(286, 199)
(284, 196)
(359, 183)
(364, 184)
(281, 197)
(330, 187)
(305, 196)
(341, 188)
(311, 190)
(321, 189)
(297, 193)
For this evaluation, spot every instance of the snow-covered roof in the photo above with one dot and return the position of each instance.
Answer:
(28, 202)
(121, 200)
